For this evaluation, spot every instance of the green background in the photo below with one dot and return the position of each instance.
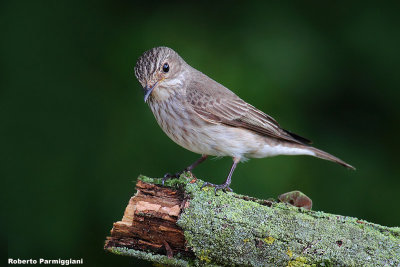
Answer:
(76, 133)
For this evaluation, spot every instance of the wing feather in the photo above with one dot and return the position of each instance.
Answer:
(221, 107)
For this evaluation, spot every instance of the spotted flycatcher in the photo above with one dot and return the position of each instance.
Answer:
(207, 118)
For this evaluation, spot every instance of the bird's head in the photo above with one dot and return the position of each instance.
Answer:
(158, 71)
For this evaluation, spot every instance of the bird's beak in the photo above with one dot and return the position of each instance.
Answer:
(147, 91)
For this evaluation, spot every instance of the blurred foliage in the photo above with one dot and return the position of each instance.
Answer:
(76, 133)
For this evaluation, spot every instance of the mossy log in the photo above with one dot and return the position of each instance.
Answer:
(180, 224)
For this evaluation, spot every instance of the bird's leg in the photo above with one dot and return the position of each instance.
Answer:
(224, 186)
(194, 164)
(187, 169)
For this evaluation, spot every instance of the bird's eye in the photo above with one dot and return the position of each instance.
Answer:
(165, 68)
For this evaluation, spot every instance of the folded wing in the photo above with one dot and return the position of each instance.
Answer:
(224, 107)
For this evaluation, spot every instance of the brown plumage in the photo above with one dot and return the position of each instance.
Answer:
(207, 118)
(219, 106)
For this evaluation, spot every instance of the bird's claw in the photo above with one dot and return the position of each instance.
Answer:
(224, 187)
(171, 176)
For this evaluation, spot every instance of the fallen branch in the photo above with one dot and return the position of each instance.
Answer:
(181, 225)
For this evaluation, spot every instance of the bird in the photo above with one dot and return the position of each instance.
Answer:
(205, 117)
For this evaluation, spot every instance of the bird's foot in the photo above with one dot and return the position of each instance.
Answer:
(172, 176)
(225, 187)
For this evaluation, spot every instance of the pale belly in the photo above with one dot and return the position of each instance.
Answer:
(188, 130)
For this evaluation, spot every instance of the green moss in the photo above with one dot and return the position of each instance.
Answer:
(149, 180)
(115, 251)
(174, 183)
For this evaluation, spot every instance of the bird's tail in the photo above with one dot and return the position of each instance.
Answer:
(324, 155)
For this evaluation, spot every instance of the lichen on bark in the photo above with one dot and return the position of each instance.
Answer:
(229, 230)
(226, 229)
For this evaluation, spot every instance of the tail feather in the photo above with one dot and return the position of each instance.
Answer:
(324, 155)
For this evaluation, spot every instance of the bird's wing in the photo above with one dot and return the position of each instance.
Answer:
(224, 107)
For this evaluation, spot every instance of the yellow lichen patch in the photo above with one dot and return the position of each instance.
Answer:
(298, 262)
(301, 259)
(206, 188)
(269, 240)
(246, 240)
(289, 253)
(203, 256)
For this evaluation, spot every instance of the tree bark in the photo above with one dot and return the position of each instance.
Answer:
(181, 225)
